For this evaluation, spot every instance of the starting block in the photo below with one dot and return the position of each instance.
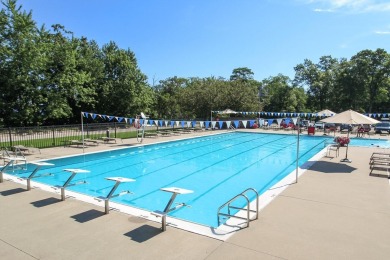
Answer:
(118, 180)
(32, 175)
(67, 183)
(163, 214)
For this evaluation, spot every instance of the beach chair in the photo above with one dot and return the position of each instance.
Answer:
(25, 150)
(76, 142)
(107, 140)
(88, 141)
(151, 134)
(380, 162)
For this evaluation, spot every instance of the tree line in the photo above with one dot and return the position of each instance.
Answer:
(48, 76)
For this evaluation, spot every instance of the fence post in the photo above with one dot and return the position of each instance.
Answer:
(54, 138)
(115, 130)
(10, 136)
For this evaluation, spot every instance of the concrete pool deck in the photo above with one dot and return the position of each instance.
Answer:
(335, 211)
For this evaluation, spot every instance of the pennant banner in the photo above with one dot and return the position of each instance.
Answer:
(228, 124)
(278, 116)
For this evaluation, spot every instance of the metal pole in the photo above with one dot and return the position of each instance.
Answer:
(166, 210)
(82, 130)
(346, 153)
(164, 222)
(28, 184)
(106, 206)
(62, 193)
(10, 136)
(297, 160)
(11, 161)
(54, 138)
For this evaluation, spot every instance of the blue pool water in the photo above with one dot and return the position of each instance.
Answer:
(215, 167)
(370, 142)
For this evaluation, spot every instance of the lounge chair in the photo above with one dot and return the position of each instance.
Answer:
(151, 134)
(107, 140)
(91, 142)
(76, 142)
(380, 162)
(25, 150)
(166, 132)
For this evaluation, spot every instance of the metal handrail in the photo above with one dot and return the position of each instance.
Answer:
(19, 153)
(247, 209)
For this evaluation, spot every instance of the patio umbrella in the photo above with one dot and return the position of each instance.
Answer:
(227, 111)
(349, 117)
(326, 112)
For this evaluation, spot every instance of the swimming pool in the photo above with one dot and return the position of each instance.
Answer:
(215, 167)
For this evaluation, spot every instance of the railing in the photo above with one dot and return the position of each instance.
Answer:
(247, 209)
(50, 136)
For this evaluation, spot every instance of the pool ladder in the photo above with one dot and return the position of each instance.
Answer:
(245, 208)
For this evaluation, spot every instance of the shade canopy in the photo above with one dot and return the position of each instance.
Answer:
(326, 112)
(227, 111)
(350, 117)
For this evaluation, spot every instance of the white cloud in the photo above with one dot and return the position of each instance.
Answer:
(355, 6)
(382, 32)
(323, 10)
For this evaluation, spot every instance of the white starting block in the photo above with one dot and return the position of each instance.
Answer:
(11, 161)
(67, 183)
(118, 180)
(163, 214)
(32, 175)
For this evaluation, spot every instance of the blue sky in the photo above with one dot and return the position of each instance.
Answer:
(202, 38)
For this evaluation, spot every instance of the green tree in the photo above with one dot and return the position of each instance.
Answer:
(371, 69)
(123, 89)
(168, 99)
(319, 81)
(282, 96)
(19, 66)
(348, 94)
(242, 73)
(68, 85)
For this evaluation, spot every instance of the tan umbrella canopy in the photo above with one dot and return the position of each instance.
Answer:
(227, 111)
(326, 112)
(350, 117)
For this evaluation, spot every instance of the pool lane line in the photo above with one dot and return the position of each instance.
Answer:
(59, 172)
(162, 156)
(182, 161)
(197, 171)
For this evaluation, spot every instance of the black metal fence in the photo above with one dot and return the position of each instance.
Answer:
(50, 136)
